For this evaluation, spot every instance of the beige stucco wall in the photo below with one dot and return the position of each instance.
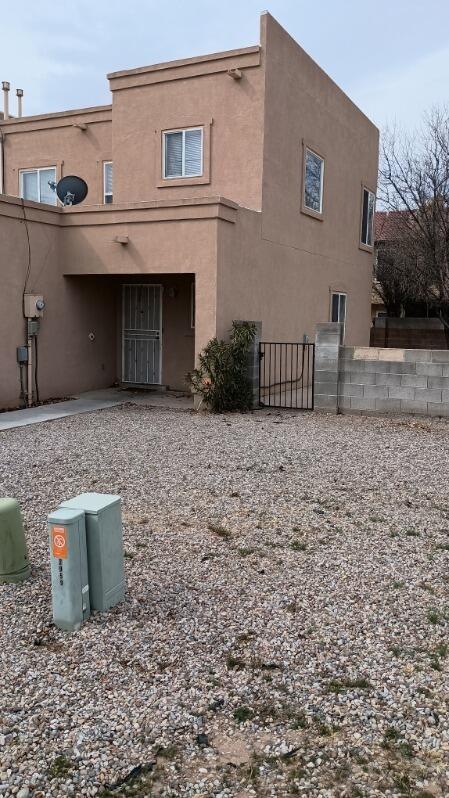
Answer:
(182, 94)
(312, 257)
(53, 140)
(68, 360)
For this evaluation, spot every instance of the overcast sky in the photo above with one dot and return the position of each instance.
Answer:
(390, 56)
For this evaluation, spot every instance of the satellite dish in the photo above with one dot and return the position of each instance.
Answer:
(71, 190)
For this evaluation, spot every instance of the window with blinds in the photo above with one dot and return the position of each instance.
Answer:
(34, 185)
(183, 153)
(107, 182)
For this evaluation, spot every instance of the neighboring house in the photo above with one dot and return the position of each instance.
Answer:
(238, 185)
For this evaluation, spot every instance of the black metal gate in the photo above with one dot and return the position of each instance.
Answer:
(286, 375)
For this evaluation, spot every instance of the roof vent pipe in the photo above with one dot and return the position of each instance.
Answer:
(6, 87)
(19, 93)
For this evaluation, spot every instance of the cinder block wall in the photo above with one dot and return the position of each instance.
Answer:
(377, 380)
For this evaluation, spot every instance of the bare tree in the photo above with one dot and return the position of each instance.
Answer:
(414, 182)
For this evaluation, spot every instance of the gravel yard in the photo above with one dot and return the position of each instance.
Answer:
(285, 625)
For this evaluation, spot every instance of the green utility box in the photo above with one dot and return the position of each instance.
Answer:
(14, 563)
(104, 538)
(69, 575)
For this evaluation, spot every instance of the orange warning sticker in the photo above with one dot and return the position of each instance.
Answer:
(59, 542)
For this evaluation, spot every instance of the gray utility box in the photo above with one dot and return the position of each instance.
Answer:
(69, 575)
(104, 538)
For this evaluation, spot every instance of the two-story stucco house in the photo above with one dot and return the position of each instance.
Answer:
(238, 185)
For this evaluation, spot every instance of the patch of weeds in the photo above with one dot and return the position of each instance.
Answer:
(242, 714)
(235, 663)
(234, 494)
(141, 545)
(437, 655)
(169, 752)
(338, 686)
(403, 784)
(398, 584)
(434, 617)
(426, 586)
(412, 533)
(246, 552)
(406, 749)
(128, 555)
(356, 792)
(441, 650)
(375, 519)
(391, 735)
(298, 545)
(143, 520)
(395, 650)
(220, 531)
(291, 607)
(245, 637)
(60, 767)
(359, 759)
(299, 721)
(442, 546)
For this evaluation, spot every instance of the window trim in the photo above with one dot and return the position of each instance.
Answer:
(107, 193)
(37, 169)
(362, 245)
(182, 130)
(192, 305)
(174, 125)
(309, 146)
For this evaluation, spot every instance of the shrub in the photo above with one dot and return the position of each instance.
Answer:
(221, 377)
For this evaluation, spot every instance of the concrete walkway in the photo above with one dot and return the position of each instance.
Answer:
(91, 401)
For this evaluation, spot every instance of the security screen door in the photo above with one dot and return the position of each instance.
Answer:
(142, 334)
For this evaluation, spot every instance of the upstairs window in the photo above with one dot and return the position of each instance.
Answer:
(368, 203)
(107, 182)
(34, 185)
(183, 153)
(313, 181)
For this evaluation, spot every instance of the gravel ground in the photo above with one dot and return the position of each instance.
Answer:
(285, 623)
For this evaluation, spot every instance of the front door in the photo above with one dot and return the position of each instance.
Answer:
(142, 334)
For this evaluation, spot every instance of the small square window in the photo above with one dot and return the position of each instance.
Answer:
(368, 204)
(107, 183)
(34, 185)
(182, 153)
(313, 181)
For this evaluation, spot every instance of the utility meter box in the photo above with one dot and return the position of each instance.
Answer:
(104, 539)
(14, 563)
(69, 574)
(33, 306)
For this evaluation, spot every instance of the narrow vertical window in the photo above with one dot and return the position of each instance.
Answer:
(313, 181)
(368, 203)
(338, 307)
(107, 183)
(192, 306)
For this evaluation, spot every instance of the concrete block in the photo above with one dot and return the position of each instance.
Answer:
(445, 371)
(323, 375)
(438, 382)
(375, 392)
(348, 389)
(440, 356)
(323, 402)
(344, 402)
(428, 395)
(429, 369)
(438, 409)
(347, 352)
(360, 378)
(388, 379)
(414, 381)
(326, 388)
(445, 396)
(413, 407)
(397, 392)
(392, 355)
(417, 355)
(388, 405)
(390, 367)
(359, 403)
